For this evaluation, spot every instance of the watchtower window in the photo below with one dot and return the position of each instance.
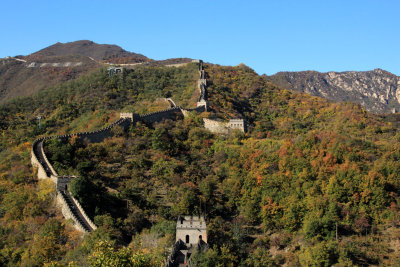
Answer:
(187, 239)
(200, 237)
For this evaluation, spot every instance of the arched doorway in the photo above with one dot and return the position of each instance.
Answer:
(200, 238)
(187, 239)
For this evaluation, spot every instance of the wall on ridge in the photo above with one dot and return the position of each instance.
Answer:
(221, 127)
(215, 126)
(78, 205)
(41, 173)
(62, 182)
(46, 160)
(98, 136)
(67, 213)
(161, 115)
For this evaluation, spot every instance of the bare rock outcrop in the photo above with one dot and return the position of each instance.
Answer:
(377, 91)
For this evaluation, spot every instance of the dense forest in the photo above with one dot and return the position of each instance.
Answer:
(312, 183)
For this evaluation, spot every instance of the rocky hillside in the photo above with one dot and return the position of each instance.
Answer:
(376, 90)
(19, 78)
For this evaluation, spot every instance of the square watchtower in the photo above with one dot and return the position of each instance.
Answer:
(191, 230)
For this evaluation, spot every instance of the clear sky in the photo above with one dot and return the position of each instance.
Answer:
(269, 36)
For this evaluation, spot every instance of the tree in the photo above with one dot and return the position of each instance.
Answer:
(105, 255)
(81, 188)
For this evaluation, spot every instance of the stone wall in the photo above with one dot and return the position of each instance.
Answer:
(215, 126)
(82, 211)
(172, 258)
(221, 127)
(161, 115)
(239, 124)
(46, 171)
(201, 84)
(201, 81)
(54, 65)
(177, 64)
(53, 171)
(171, 102)
(41, 173)
(67, 213)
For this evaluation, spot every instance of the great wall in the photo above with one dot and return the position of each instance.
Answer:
(70, 207)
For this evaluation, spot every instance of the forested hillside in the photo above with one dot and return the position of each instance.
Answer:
(18, 80)
(312, 182)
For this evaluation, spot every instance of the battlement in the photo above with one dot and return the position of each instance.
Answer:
(191, 222)
(191, 229)
(237, 124)
(71, 208)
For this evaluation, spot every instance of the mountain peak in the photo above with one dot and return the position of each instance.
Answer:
(90, 49)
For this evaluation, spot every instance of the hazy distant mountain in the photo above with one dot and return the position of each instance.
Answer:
(90, 49)
(377, 90)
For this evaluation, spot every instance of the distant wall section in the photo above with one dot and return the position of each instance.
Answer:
(217, 126)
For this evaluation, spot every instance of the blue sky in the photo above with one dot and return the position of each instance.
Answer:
(268, 36)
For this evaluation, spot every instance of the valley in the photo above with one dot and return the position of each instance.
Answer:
(310, 182)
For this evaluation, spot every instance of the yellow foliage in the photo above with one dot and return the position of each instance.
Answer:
(46, 189)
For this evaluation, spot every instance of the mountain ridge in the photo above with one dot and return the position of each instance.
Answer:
(90, 49)
(377, 90)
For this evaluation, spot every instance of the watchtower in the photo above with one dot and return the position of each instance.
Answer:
(191, 230)
(114, 70)
(237, 124)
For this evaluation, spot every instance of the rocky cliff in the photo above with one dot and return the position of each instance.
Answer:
(377, 90)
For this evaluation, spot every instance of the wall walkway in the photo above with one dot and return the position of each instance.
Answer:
(70, 207)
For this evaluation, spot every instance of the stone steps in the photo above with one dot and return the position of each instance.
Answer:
(81, 220)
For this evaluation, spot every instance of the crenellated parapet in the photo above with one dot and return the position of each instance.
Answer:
(70, 207)
(157, 116)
